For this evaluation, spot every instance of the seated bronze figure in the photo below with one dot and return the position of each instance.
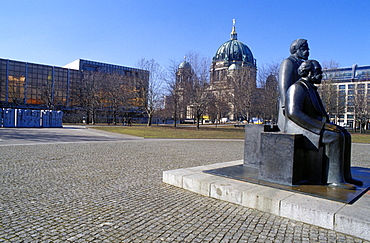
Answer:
(305, 114)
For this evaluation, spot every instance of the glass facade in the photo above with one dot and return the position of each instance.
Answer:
(29, 85)
(357, 73)
(34, 86)
(353, 87)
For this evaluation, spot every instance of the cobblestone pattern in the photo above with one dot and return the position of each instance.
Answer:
(113, 192)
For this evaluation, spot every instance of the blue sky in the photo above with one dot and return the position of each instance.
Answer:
(122, 32)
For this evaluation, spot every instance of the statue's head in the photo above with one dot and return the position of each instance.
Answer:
(311, 71)
(300, 49)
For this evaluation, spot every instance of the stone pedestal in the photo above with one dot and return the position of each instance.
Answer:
(252, 145)
(281, 158)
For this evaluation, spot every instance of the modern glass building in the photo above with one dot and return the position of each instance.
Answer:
(25, 85)
(351, 86)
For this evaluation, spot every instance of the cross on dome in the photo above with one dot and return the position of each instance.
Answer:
(233, 34)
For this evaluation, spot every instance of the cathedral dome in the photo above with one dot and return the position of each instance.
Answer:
(234, 51)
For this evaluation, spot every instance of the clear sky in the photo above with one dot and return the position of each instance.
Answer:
(122, 32)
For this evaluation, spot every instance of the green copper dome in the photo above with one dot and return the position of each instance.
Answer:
(234, 51)
(185, 65)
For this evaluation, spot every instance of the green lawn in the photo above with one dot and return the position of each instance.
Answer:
(206, 132)
(360, 138)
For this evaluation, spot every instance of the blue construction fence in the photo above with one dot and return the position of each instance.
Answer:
(30, 118)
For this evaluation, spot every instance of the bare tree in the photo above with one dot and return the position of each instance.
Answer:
(266, 70)
(270, 95)
(118, 93)
(361, 109)
(333, 100)
(47, 92)
(267, 82)
(243, 84)
(172, 100)
(200, 95)
(154, 89)
(200, 100)
(87, 94)
(219, 105)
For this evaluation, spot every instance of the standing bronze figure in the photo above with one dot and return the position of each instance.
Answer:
(288, 74)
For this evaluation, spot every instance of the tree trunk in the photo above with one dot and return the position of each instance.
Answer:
(93, 118)
(88, 117)
(149, 121)
(198, 120)
(175, 115)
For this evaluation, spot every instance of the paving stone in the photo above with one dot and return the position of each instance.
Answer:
(113, 192)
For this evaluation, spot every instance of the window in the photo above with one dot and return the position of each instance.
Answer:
(351, 86)
(351, 92)
(361, 91)
(350, 116)
(350, 109)
(350, 103)
(360, 86)
(342, 86)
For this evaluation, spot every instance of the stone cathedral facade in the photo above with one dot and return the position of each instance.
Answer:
(232, 80)
(233, 69)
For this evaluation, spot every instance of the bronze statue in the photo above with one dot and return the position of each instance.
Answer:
(288, 74)
(305, 114)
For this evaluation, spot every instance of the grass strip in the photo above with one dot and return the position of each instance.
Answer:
(205, 132)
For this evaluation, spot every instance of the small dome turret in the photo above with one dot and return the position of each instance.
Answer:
(184, 65)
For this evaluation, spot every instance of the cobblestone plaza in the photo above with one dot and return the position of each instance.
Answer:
(81, 185)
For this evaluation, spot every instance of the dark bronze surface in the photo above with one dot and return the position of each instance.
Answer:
(248, 174)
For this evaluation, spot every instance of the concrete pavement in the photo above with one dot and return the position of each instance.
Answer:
(81, 185)
(67, 134)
